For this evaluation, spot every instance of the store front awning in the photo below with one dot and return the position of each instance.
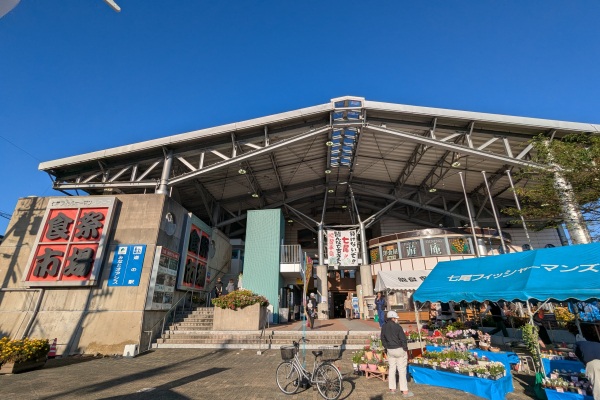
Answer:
(561, 273)
(400, 280)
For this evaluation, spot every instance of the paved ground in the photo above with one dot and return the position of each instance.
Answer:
(338, 324)
(194, 374)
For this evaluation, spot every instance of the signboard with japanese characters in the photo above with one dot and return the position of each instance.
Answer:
(127, 264)
(435, 247)
(69, 248)
(162, 279)
(342, 248)
(194, 273)
(389, 252)
(411, 248)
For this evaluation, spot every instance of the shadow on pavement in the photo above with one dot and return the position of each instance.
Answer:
(142, 375)
(164, 391)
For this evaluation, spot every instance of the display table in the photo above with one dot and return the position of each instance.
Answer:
(568, 365)
(486, 388)
(554, 395)
(376, 374)
(504, 357)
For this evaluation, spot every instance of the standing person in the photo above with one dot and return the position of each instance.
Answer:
(348, 306)
(380, 306)
(230, 286)
(498, 316)
(589, 354)
(311, 308)
(218, 288)
(394, 341)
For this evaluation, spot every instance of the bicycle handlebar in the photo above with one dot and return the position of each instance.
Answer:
(302, 339)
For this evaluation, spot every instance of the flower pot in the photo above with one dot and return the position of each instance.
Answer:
(363, 367)
(369, 355)
(372, 367)
(382, 368)
(15, 368)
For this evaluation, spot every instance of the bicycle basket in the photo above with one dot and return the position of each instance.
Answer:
(288, 352)
(331, 352)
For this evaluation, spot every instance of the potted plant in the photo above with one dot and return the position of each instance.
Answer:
(357, 356)
(496, 370)
(372, 365)
(368, 352)
(240, 310)
(382, 366)
(22, 355)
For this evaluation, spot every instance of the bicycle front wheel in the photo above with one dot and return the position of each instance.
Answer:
(329, 381)
(288, 378)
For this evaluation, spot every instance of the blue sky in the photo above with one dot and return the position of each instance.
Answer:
(76, 77)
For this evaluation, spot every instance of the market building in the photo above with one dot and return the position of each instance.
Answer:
(351, 186)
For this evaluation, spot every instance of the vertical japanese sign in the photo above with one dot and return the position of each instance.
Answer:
(162, 279)
(342, 248)
(127, 265)
(70, 244)
(195, 274)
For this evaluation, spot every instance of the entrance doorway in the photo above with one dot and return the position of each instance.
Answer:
(338, 304)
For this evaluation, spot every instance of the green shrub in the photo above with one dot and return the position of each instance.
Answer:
(239, 299)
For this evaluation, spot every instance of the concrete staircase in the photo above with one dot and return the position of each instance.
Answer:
(194, 330)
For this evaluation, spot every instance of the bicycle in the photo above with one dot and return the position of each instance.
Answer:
(326, 376)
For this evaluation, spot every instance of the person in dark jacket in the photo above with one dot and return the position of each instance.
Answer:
(395, 342)
(218, 288)
(380, 308)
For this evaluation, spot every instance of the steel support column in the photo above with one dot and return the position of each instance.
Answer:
(163, 186)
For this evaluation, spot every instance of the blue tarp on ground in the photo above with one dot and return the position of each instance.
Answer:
(560, 273)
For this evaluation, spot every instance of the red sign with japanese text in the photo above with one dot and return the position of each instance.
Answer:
(195, 274)
(68, 250)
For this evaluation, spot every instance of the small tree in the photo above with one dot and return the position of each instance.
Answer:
(577, 157)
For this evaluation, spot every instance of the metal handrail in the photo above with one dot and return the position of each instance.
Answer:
(164, 319)
(173, 308)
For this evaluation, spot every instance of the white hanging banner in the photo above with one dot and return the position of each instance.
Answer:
(342, 248)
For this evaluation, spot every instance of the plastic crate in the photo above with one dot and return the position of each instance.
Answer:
(331, 352)
(288, 352)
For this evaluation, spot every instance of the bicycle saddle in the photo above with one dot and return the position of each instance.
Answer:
(317, 353)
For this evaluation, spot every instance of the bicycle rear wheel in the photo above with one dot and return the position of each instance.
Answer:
(329, 381)
(288, 378)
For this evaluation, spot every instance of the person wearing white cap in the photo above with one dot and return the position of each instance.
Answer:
(395, 342)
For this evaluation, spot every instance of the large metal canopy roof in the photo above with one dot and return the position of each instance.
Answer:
(337, 162)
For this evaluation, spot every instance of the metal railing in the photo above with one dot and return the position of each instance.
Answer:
(291, 254)
(181, 304)
(169, 316)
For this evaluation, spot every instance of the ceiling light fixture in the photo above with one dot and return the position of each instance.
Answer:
(330, 191)
(255, 195)
(456, 164)
(241, 171)
(290, 220)
(327, 171)
(432, 190)
(344, 206)
(329, 143)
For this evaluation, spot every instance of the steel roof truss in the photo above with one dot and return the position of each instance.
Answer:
(228, 161)
(455, 147)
